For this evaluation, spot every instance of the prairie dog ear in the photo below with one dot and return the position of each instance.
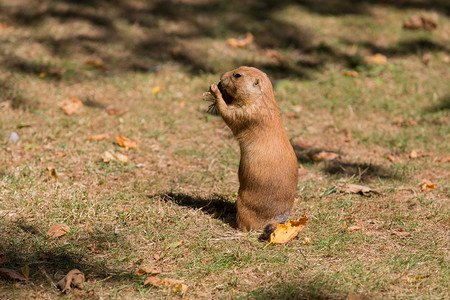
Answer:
(256, 82)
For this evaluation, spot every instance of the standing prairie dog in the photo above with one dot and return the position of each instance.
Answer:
(268, 171)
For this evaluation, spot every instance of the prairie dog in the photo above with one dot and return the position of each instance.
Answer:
(268, 171)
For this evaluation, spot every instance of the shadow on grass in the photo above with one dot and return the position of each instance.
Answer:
(317, 288)
(217, 206)
(359, 170)
(443, 105)
(52, 259)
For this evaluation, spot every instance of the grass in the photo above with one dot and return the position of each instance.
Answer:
(171, 207)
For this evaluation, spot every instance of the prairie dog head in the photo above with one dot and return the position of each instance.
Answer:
(244, 97)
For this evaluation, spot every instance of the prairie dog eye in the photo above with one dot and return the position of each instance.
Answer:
(237, 75)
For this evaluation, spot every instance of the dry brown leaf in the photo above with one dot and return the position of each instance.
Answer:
(52, 172)
(291, 115)
(126, 142)
(413, 279)
(353, 228)
(111, 110)
(94, 248)
(399, 121)
(286, 232)
(273, 54)
(177, 285)
(414, 154)
(348, 137)
(71, 105)
(241, 43)
(25, 271)
(157, 256)
(146, 270)
(12, 274)
(206, 260)
(350, 188)
(420, 22)
(156, 90)
(426, 185)
(392, 158)
(73, 278)
(58, 230)
(445, 159)
(323, 155)
(377, 59)
(108, 156)
(98, 137)
(349, 73)
(61, 155)
(96, 63)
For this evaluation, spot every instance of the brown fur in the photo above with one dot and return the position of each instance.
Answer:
(268, 168)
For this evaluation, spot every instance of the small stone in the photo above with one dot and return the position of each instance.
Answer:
(13, 137)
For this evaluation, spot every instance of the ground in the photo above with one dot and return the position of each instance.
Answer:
(171, 206)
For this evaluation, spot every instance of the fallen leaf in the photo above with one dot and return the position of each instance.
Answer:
(427, 185)
(307, 240)
(445, 159)
(348, 137)
(413, 279)
(323, 155)
(349, 73)
(417, 22)
(392, 158)
(399, 121)
(71, 105)
(98, 137)
(377, 59)
(291, 115)
(286, 232)
(12, 274)
(156, 90)
(272, 54)
(353, 228)
(61, 155)
(174, 245)
(25, 271)
(414, 154)
(126, 142)
(206, 260)
(110, 110)
(241, 43)
(73, 278)
(350, 188)
(94, 248)
(157, 256)
(52, 172)
(177, 285)
(108, 156)
(96, 63)
(58, 230)
(150, 271)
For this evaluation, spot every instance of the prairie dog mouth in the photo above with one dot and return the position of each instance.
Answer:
(225, 95)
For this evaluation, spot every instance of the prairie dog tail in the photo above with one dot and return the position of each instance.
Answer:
(268, 229)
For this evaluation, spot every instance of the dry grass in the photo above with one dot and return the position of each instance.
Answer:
(174, 197)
